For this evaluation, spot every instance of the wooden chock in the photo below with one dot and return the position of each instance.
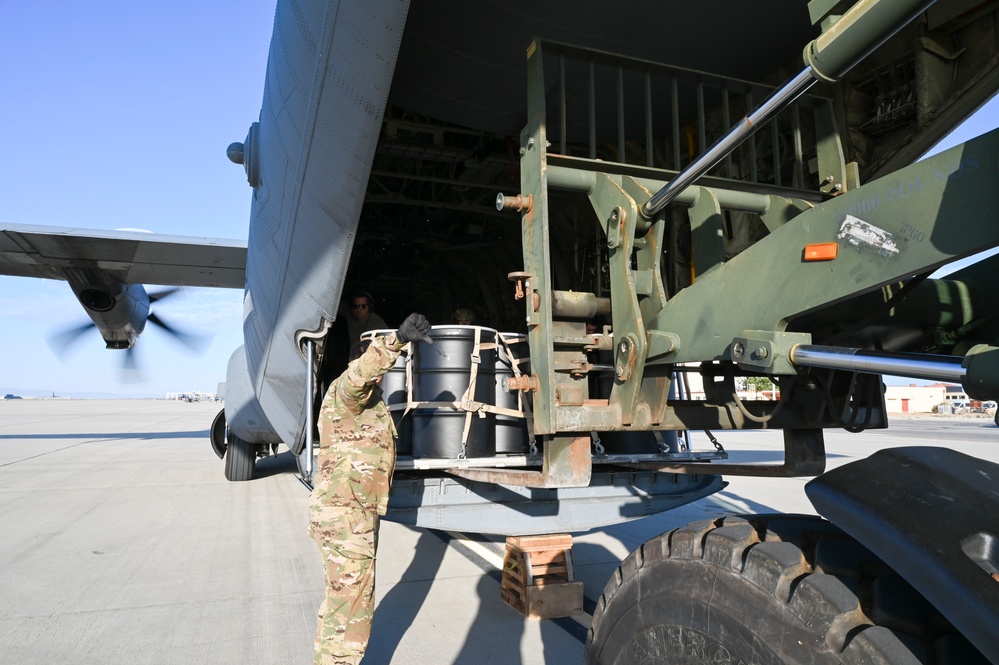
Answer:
(538, 577)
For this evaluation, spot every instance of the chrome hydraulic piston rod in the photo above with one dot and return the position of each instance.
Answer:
(911, 365)
(860, 30)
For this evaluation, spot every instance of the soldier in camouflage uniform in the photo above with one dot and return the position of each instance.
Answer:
(356, 460)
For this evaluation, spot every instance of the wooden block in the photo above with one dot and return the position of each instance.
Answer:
(537, 577)
(540, 543)
(549, 601)
(553, 600)
(543, 557)
(516, 573)
(514, 600)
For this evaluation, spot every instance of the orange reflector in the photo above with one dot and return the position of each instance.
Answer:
(823, 251)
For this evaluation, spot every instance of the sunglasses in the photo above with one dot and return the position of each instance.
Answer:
(359, 306)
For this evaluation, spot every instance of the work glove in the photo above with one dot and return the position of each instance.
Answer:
(414, 329)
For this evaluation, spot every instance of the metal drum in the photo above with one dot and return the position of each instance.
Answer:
(394, 391)
(511, 433)
(441, 373)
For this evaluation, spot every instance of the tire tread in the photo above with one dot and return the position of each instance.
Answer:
(240, 459)
(829, 582)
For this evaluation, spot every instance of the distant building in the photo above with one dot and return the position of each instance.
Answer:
(898, 399)
(955, 393)
(919, 399)
(193, 397)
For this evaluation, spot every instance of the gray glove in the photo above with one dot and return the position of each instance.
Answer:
(414, 329)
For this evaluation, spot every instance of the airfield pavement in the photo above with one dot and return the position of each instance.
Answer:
(122, 542)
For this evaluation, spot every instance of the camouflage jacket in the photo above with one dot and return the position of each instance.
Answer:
(356, 434)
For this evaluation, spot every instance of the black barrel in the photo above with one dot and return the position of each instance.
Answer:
(441, 373)
(511, 432)
(394, 391)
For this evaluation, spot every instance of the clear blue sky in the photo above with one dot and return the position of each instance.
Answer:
(117, 115)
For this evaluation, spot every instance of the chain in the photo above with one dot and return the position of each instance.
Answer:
(461, 455)
(534, 446)
(598, 448)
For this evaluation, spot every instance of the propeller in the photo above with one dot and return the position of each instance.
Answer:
(62, 341)
(190, 340)
(130, 368)
(160, 295)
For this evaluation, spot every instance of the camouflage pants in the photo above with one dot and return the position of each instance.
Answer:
(347, 538)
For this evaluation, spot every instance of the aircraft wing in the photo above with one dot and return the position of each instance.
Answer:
(129, 256)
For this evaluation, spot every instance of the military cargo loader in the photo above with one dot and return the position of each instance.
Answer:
(821, 292)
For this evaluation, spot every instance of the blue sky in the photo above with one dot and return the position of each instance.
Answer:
(117, 115)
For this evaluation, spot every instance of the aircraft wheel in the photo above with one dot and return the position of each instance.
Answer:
(768, 589)
(239, 459)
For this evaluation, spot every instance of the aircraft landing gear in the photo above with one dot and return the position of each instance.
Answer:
(240, 457)
(217, 435)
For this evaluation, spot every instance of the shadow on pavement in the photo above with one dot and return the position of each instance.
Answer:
(273, 465)
(490, 640)
(397, 611)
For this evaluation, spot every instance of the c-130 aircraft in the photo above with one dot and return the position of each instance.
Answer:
(727, 191)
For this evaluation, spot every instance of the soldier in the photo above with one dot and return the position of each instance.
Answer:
(464, 316)
(356, 460)
(362, 317)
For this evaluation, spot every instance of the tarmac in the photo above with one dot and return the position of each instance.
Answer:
(122, 542)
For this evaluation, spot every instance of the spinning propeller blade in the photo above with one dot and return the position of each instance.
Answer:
(130, 368)
(191, 341)
(61, 341)
(160, 295)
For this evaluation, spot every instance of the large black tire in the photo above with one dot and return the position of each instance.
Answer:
(240, 457)
(765, 590)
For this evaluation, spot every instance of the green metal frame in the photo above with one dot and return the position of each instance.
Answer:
(736, 311)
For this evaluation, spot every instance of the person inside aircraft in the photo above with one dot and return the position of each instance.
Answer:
(464, 316)
(356, 461)
(362, 317)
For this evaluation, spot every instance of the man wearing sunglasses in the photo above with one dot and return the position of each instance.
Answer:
(361, 318)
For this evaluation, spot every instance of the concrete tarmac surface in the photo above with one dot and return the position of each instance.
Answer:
(122, 542)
